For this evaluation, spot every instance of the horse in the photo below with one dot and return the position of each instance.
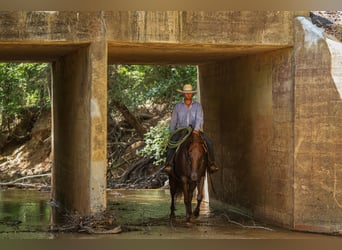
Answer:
(189, 172)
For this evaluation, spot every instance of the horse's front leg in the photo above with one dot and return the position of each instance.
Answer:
(200, 186)
(190, 191)
(187, 201)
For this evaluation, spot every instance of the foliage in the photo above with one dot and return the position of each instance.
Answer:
(156, 141)
(139, 85)
(22, 85)
(26, 85)
(136, 85)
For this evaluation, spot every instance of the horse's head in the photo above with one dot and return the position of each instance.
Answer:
(196, 157)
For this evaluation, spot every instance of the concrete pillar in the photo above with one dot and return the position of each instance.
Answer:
(317, 131)
(79, 129)
(248, 110)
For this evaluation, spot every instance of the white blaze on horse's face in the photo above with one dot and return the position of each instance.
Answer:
(194, 176)
(196, 160)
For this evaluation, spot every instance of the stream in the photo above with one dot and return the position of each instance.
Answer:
(26, 214)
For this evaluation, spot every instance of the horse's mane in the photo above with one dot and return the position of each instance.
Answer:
(192, 138)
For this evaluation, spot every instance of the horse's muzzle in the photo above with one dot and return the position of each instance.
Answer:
(193, 176)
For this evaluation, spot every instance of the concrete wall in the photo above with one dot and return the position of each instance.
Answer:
(318, 131)
(248, 105)
(270, 89)
(98, 126)
(80, 130)
(201, 27)
(71, 131)
(74, 42)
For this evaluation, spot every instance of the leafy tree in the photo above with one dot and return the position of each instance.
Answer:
(136, 85)
(156, 140)
(132, 86)
(22, 85)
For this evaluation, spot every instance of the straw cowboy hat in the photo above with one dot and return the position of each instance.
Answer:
(187, 89)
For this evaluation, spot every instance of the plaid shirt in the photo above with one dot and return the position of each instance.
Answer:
(182, 116)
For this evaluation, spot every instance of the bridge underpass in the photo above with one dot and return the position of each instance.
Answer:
(71, 112)
(270, 100)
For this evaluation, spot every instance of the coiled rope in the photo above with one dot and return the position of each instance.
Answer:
(176, 144)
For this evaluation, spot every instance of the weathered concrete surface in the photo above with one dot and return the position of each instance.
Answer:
(75, 43)
(145, 36)
(79, 130)
(317, 130)
(71, 132)
(98, 126)
(270, 92)
(220, 27)
(185, 37)
(248, 106)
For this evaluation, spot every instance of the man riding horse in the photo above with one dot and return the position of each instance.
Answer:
(188, 113)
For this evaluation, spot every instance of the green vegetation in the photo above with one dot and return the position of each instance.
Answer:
(156, 140)
(136, 85)
(140, 99)
(145, 87)
(22, 86)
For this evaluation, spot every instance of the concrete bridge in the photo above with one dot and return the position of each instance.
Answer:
(270, 83)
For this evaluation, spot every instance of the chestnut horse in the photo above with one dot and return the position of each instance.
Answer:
(188, 173)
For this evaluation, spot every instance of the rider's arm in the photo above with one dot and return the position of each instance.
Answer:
(199, 118)
(174, 117)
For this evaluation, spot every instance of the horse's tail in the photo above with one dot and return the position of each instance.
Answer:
(179, 192)
(176, 188)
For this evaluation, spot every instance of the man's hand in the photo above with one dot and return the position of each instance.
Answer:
(195, 132)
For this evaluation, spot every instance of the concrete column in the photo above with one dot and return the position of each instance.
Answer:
(98, 132)
(248, 113)
(318, 131)
(79, 129)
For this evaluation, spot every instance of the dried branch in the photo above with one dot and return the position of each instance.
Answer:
(244, 226)
(14, 183)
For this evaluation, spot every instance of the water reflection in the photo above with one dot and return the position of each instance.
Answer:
(23, 211)
(142, 207)
(26, 214)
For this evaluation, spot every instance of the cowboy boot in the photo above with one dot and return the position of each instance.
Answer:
(168, 167)
(212, 168)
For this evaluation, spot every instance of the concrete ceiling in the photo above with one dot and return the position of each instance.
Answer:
(36, 52)
(167, 53)
(132, 53)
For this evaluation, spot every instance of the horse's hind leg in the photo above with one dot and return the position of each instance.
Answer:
(172, 207)
(173, 193)
(200, 186)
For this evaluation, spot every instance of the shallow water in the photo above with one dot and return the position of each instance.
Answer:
(26, 214)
